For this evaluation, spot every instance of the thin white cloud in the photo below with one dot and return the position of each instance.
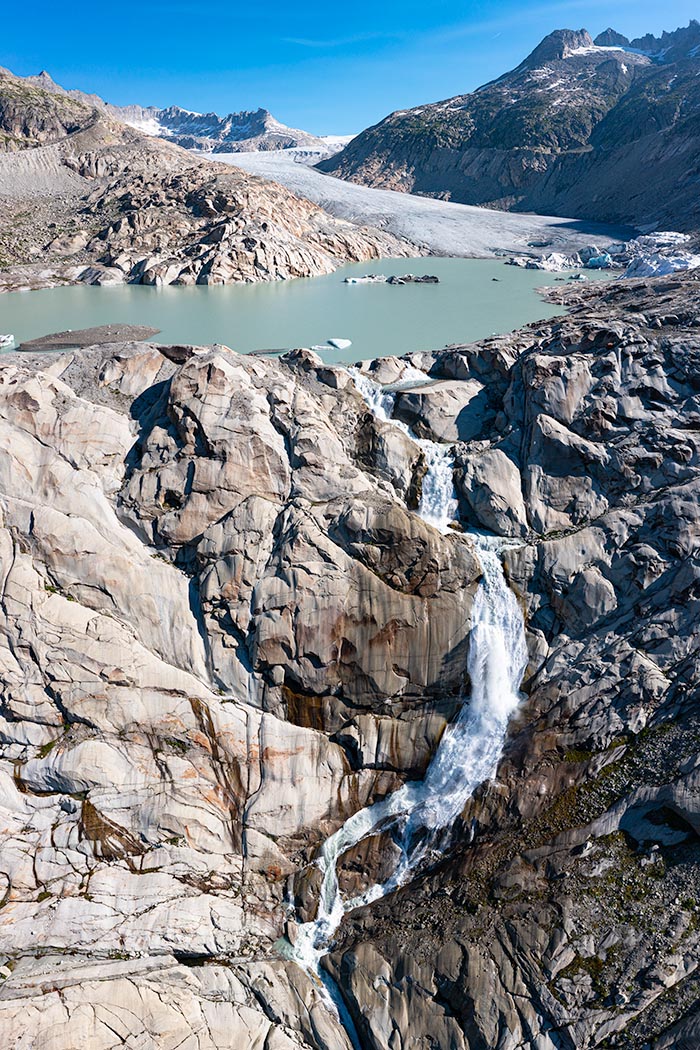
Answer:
(557, 11)
(344, 41)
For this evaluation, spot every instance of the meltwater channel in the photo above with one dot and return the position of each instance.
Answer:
(470, 747)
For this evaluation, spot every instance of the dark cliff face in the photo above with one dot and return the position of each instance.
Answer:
(643, 160)
(582, 129)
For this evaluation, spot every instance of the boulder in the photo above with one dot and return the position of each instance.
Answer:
(447, 411)
(489, 485)
(101, 275)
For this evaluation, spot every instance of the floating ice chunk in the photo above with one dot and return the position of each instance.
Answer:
(554, 262)
(340, 344)
(380, 278)
(369, 278)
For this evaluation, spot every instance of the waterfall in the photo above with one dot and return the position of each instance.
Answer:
(470, 747)
(438, 503)
(467, 755)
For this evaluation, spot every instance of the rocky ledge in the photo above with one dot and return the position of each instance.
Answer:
(224, 630)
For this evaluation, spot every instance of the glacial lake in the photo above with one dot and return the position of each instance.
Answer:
(379, 319)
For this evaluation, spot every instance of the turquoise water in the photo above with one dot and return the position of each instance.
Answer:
(379, 319)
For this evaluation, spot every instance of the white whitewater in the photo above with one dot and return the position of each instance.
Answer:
(438, 504)
(470, 747)
(467, 755)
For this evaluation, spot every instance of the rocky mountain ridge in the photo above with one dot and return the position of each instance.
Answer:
(589, 129)
(669, 47)
(225, 630)
(86, 198)
(208, 132)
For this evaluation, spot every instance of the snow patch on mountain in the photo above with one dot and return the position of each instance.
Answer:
(147, 125)
(594, 49)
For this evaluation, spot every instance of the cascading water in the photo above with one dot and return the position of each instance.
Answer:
(467, 755)
(470, 747)
(438, 503)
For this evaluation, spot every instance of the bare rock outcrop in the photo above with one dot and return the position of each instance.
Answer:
(221, 634)
(86, 198)
(223, 631)
(546, 932)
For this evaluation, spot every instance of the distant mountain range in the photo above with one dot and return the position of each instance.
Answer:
(607, 129)
(236, 132)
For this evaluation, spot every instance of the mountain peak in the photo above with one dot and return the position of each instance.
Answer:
(557, 45)
(611, 38)
(247, 130)
(670, 47)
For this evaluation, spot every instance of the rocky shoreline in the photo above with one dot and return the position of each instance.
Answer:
(183, 223)
(224, 630)
(87, 199)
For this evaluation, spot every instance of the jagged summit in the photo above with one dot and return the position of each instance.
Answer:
(557, 45)
(611, 38)
(246, 130)
(669, 47)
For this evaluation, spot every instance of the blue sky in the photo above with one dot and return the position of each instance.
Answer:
(326, 66)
